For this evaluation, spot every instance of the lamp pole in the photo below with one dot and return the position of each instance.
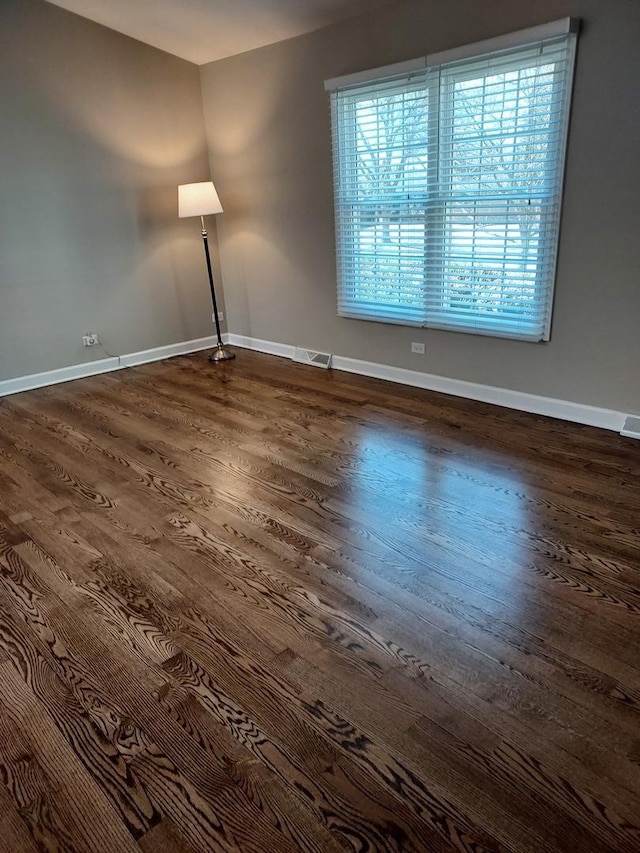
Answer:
(220, 353)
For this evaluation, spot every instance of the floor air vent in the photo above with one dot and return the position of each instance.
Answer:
(309, 356)
(631, 428)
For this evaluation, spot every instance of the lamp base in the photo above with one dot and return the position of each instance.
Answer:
(221, 353)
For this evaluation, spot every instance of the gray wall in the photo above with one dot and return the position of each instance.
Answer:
(96, 131)
(267, 120)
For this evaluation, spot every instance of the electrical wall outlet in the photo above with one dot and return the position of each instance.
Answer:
(220, 316)
(417, 348)
(90, 339)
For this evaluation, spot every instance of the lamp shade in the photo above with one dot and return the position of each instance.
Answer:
(198, 199)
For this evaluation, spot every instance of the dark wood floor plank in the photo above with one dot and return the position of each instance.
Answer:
(464, 741)
(145, 752)
(165, 838)
(617, 701)
(55, 794)
(458, 711)
(14, 835)
(265, 607)
(287, 811)
(599, 589)
(551, 707)
(199, 627)
(327, 723)
(292, 750)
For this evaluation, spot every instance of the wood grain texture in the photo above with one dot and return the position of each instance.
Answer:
(260, 607)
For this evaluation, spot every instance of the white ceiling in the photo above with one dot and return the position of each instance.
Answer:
(204, 30)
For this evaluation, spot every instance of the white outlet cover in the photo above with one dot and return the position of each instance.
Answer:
(417, 348)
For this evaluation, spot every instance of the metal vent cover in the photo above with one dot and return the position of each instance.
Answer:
(308, 356)
(631, 428)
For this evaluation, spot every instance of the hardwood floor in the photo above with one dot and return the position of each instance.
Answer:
(263, 607)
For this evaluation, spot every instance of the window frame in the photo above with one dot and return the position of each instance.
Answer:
(435, 201)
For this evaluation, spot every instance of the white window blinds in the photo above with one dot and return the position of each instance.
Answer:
(448, 183)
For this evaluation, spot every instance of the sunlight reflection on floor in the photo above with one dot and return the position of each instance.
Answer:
(471, 515)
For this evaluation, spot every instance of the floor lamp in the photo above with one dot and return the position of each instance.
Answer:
(201, 200)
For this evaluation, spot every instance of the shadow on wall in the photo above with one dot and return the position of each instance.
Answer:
(270, 192)
(98, 132)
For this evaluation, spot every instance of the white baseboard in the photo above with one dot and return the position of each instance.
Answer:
(101, 365)
(563, 409)
(160, 353)
(54, 377)
(550, 406)
(284, 350)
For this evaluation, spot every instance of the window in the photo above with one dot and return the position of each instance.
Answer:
(448, 185)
